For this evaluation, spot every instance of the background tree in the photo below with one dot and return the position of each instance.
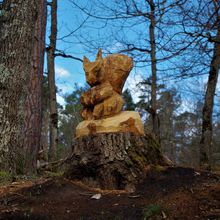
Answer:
(168, 105)
(206, 138)
(32, 111)
(187, 133)
(16, 46)
(45, 128)
(201, 23)
(129, 103)
(69, 118)
(51, 83)
(216, 144)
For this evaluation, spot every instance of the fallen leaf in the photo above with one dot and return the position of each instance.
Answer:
(96, 196)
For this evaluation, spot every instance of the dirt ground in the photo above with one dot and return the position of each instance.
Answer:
(172, 193)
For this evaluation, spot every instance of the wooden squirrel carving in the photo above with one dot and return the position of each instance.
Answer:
(106, 78)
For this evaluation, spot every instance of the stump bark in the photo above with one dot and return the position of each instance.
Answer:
(113, 160)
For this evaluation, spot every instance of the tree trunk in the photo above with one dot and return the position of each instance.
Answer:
(45, 134)
(206, 138)
(52, 84)
(153, 111)
(113, 160)
(17, 24)
(33, 117)
(45, 128)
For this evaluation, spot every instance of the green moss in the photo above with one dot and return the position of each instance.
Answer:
(138, 159)
(151, 210)
(145, 153)
(153, 144)
(5, 176)
(159, 168)
(53, 174)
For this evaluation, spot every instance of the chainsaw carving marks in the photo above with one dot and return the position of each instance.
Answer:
(106, 78)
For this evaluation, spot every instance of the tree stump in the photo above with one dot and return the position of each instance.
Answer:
(113, 160)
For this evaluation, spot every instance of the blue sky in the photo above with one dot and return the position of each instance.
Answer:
(68, 71)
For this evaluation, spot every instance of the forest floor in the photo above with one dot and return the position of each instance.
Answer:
(171, 193)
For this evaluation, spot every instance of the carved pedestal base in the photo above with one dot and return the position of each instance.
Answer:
(127, 121)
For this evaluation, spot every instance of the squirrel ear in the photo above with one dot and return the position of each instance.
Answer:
(99, 54)
(86, 63)
(85, 60)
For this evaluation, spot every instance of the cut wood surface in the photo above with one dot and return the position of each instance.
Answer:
(127, 121)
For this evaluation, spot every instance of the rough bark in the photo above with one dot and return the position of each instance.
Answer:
(51, 83)
(153, 110)
(17, 24)
(32, 114)
(206, 138)
(113, 160)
